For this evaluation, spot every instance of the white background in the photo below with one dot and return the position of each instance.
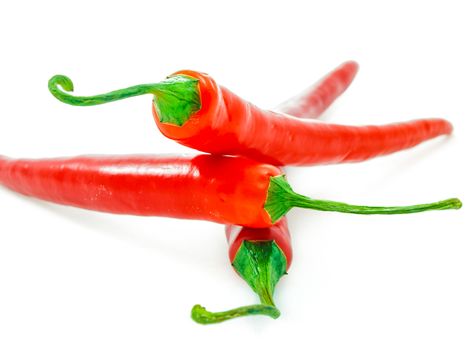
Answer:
(73, 279)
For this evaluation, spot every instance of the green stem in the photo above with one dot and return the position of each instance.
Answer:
(175, 98)
(261, 264)
(200, 315)
(281, 198)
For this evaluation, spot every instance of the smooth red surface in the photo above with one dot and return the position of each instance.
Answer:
(311, 103)
(227, 124)
(221, 189)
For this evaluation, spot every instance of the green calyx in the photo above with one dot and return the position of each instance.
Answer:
(261, 264)
(175, 98)
(177, 101)
(281, 198)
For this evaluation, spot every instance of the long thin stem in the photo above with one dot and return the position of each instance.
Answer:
(281, 198)
(327, 205)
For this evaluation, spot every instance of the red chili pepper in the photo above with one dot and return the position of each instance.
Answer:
(175, 186)
(228, 190)
(313, 101)
(261, 256)
(192, 109)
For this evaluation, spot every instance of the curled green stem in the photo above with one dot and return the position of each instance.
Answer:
(65, 83)
(261, 264)
(200, 315)
(176, 98)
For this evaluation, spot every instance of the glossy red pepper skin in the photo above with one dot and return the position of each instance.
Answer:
(312, 102)
(215, 188)
(227, 124)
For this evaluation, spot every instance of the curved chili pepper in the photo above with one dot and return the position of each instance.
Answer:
(228, 190)
(192, 109)
(313, 101)
(258, 255)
